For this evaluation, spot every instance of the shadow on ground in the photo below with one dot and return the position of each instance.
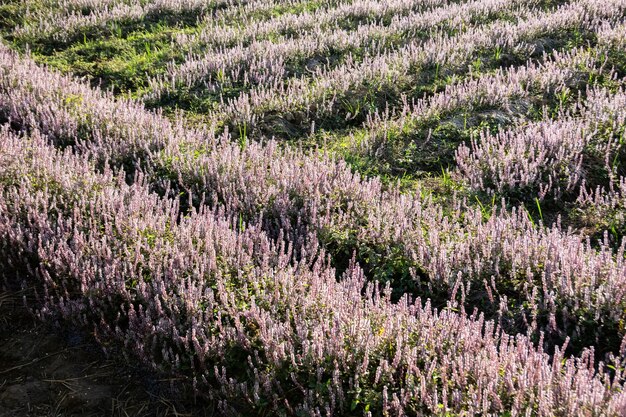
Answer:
(47, 372)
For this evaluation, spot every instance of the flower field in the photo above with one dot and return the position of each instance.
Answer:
(327, 207)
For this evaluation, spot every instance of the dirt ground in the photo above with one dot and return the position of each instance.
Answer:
(47, 372)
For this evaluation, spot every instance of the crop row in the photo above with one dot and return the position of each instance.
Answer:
(220, 32)
(267, 62)
(251, 329)
(67, 23)
(549, 157)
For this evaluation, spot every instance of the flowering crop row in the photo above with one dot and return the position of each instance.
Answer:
(60, 22)
(266, 62)
(250, 328)
(219, 32)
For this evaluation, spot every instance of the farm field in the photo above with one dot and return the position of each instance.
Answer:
(319, 207)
